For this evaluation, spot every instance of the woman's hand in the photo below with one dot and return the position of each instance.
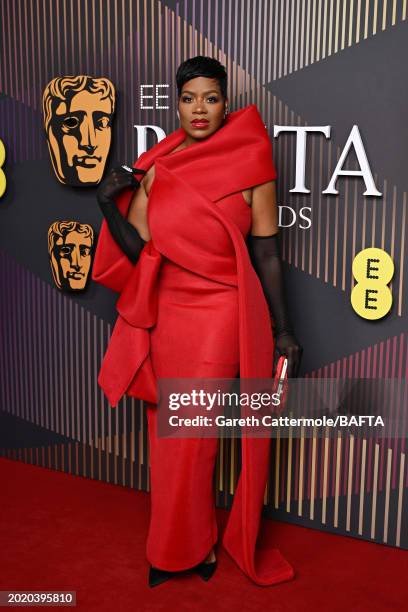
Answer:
(286, 344)
(117, 180)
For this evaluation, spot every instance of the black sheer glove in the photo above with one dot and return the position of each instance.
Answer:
(265, 255)
(123, 232)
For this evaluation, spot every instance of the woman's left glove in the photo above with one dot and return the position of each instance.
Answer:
(265, 255)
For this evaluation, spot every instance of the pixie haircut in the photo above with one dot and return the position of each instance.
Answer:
(201, 66)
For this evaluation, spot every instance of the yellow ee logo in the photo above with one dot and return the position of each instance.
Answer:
(373, 269)
(2, 175)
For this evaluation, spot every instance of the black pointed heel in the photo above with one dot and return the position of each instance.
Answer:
(206, 570)
(158, 576)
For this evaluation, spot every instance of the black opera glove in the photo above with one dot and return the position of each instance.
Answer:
(123, 232)
(265, 255)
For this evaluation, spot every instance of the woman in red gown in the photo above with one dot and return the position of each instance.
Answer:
(192, 249)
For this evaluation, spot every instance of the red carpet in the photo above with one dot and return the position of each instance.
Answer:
(65, 532)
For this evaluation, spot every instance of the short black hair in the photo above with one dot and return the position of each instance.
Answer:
(202, 66)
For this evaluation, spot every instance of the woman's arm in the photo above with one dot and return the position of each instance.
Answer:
(123, 232)
(264, 209)
(264, 251)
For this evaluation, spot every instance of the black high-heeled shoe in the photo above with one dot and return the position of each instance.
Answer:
(206, 570)
(157, 576)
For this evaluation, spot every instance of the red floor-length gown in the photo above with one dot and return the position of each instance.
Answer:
(193, 306)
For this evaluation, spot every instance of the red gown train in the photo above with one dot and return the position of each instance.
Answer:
(193, 306)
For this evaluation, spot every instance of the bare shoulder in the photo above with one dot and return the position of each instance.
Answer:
(268, 187)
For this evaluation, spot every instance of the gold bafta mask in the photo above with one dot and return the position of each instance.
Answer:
(78, 113)
(70, 250)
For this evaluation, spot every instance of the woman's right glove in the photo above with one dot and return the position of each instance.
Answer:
(123, 232)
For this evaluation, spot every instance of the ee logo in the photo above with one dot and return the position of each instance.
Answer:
(373, 269)
(2, 175)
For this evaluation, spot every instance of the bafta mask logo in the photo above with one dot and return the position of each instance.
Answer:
(70, 250)
(78, 113)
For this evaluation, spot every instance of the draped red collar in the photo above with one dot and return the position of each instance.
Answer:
(188, 227)
(236, 157)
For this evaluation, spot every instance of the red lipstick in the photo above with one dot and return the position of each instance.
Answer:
(199, 123)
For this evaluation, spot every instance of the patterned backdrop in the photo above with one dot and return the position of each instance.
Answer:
(306, 62)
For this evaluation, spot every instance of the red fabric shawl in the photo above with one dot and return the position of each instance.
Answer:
(190, 229)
